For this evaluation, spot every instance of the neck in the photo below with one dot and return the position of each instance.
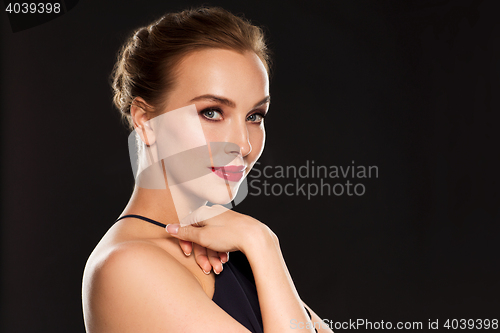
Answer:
(158, 204)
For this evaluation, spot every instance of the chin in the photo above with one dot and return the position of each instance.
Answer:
(220, 194)
(214, 189)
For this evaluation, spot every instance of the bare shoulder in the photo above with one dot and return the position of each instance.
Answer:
(119, 277)
(136, 286)
(135, 257)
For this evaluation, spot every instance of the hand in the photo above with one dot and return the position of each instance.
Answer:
(205, 258)
(220, 229)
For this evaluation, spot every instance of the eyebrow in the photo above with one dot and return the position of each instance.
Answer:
(229, 102)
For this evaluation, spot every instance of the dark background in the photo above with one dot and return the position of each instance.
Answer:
(409, 86)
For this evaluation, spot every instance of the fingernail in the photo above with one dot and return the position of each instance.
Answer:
(218, 272)
(204, 271)
(172, 228)
(186, 254)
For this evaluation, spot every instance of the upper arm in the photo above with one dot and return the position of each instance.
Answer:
(318, 323)
(141, 288)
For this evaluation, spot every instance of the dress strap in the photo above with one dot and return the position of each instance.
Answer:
(144, 219)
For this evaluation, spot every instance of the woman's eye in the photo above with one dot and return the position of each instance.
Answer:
(212, 114)
(255, 118)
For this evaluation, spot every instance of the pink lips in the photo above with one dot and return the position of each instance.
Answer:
(233, 173)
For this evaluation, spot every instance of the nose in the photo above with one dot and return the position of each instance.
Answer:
(241, 140)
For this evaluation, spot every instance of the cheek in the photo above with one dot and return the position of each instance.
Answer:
(178, 131)
(211, 132)
(257, 141)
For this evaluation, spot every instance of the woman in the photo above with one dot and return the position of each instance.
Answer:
(138, 279)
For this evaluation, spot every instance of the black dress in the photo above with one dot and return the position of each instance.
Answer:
(235, 290)
(236, 294)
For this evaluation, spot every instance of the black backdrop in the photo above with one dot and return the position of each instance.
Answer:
(411, 87)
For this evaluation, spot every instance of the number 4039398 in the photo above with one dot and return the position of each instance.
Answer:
(33, 8)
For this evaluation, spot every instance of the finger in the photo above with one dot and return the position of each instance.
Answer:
(187, 233)
(200, 255)
(224, 257)
(186, 246)
(213, 257)
(191, 233)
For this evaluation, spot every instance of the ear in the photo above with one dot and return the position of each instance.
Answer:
(140, 118)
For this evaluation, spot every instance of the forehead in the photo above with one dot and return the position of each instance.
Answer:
(227, 73)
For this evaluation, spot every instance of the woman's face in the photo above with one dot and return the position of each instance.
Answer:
(230, 92)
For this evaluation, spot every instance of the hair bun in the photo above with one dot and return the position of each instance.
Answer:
(141, 36)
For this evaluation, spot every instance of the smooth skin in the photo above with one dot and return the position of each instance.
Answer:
(138, 279)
